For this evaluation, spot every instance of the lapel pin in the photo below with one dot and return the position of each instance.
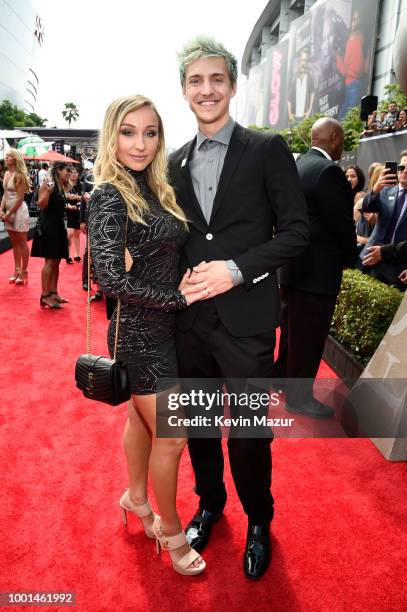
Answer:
(184, 161)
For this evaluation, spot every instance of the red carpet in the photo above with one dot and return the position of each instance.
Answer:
(340, 526)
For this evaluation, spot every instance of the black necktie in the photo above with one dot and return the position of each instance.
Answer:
(398, 207)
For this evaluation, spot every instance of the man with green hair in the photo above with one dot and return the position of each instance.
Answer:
(241, 194)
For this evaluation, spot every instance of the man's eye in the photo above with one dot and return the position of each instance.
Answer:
(193, 82)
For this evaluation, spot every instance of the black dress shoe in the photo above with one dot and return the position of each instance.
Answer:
(257, 553)
(312, 408)
(69, 260)
(199, 528)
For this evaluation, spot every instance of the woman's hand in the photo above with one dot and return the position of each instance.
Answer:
(47, 186)
(184, 280)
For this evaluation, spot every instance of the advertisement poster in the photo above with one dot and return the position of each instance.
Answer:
(330, 58)
(275, 107)
(255, 95)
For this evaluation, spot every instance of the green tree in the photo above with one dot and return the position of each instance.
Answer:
(299, 137)
(393, 93)
(34, 120)
(70, 113)
(12, 117)
(353, 128)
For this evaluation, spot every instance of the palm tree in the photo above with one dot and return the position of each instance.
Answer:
(70, 113)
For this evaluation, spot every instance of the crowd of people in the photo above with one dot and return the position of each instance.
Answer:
(56, 196)
(384, 122)
(201, 277)
(381, 220)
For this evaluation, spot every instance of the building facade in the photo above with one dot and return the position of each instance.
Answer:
(308, 56)
(21, 36)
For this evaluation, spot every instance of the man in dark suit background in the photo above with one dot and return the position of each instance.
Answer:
(241, 194)
(310, 284)
(389, 200)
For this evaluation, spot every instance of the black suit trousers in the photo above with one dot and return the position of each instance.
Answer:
(207, 350)
(305, 327)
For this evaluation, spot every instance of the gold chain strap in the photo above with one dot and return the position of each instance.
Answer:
(88, 303)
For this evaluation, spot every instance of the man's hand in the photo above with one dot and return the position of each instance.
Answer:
(371, 218)
(190, 291)
(373, 257)
(403, 276)
(210, 278)
(385, 180)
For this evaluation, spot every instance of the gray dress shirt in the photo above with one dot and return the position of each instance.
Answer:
(205, 166)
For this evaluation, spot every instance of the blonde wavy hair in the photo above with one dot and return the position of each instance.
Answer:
(21, 173)
(108, 169)
(375, 176)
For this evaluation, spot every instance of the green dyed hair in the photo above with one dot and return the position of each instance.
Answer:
(204, 46)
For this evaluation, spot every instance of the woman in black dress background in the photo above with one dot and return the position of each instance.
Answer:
(73, 207)
(136, 229)
(50, 238)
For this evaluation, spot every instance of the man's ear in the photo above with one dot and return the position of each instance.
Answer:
(183, 93)
(234, 88)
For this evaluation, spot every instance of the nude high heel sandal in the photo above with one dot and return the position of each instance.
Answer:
(141, 511)
(15, 276)
(182, 566)
(22, 277)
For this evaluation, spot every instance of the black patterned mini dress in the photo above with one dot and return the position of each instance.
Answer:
(148, 291)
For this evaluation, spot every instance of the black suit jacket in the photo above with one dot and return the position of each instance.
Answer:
(259, 220)
(333, 237)
(395, 252)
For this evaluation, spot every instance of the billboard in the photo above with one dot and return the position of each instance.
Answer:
(324, 66)
(255, 95)
(330, 58)
(275, 107)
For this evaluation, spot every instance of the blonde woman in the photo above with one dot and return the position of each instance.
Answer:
(50, 238)
(133, 207)
(365, 222)
(14, 213)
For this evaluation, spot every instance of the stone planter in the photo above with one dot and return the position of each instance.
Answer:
(341, 361)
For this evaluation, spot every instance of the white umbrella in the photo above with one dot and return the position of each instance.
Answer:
(13, 134)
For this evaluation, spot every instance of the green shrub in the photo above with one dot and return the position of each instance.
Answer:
(363, 313)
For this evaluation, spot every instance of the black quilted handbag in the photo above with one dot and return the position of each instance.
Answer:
(100, 378)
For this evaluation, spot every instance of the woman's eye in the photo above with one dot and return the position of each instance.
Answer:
(151, 133)
(126, 133)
